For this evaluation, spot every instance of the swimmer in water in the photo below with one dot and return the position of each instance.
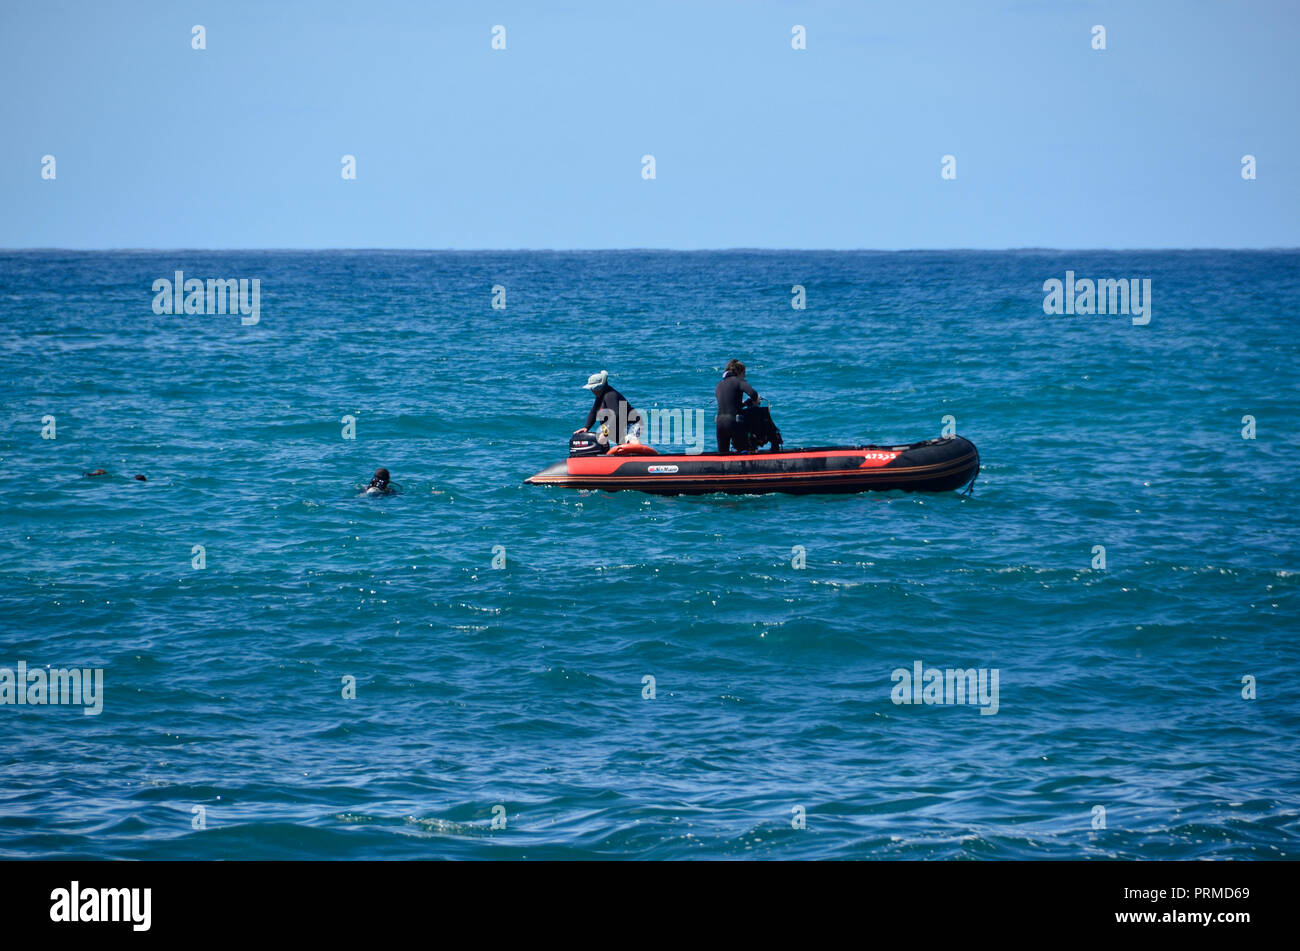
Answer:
(381, 484)
(97, 472)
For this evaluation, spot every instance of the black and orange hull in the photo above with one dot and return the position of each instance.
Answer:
(937, 465)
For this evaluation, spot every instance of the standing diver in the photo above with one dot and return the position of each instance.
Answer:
(729, 392)
(612, 409)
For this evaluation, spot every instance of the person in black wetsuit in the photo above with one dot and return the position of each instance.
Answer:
(381, 484)
(612, 408)
(729, 392)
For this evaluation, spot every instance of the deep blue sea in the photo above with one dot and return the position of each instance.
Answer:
(1146, 709)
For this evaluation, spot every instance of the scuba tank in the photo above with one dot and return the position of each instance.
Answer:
(758, 424)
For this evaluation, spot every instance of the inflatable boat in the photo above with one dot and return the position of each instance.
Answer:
(936, 465)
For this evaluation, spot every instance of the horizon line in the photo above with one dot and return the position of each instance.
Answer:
(6, 250)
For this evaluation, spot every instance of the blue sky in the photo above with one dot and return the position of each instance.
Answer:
(158, 145)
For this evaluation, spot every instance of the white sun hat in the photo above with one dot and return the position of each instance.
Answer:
(596, 380)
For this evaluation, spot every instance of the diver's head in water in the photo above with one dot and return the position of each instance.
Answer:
(597, 382)
(380, 480)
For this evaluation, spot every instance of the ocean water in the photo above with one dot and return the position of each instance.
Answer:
(519, 692)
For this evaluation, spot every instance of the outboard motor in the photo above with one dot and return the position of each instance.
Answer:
(586, 444)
